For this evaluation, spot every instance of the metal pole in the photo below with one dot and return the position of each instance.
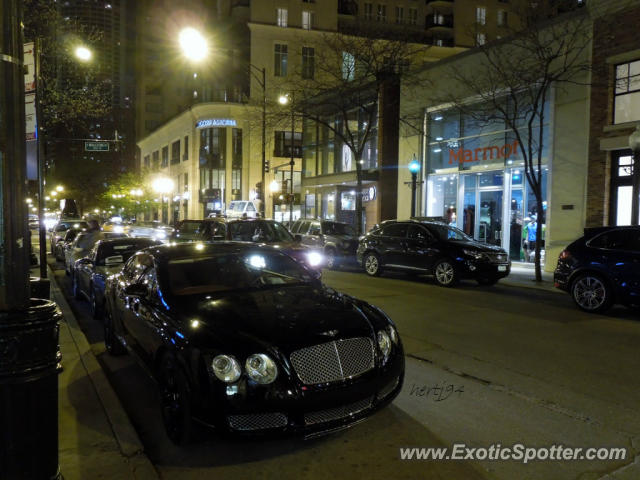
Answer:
(414, 177)
(264, 141)
(292, 163)
(635, 189)
(40, 142)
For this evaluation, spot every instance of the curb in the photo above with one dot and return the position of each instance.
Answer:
(125, 435)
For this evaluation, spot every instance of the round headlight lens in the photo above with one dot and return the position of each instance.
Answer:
(261, 368)
(393, 334)
(226, 368)
(384, 343)
(314, 259)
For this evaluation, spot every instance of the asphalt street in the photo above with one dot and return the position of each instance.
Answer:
(485, 366)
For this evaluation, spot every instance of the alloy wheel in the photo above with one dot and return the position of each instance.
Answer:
(590, 293)
(371, 264)
(330, 256)
(444, 273)
(174, 403)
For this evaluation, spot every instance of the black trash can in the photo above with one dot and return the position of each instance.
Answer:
(40, 287)
(29, 366)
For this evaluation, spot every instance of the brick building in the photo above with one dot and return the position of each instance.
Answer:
(614, 113)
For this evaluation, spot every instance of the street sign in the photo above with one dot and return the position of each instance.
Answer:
(96, 146)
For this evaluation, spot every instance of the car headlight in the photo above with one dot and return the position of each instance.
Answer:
(160, 236)
(473, 254)
(314, 259)
(384, 343)
(393, 334)
(261, 368)
(118, 229)
(226, 368)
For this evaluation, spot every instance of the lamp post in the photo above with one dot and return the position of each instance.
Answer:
(634, 144)
(163, 186)
(284, 100)
(414, 168)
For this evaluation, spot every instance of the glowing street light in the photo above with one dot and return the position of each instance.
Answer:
(193, 44)
(83, 53)
(59, 188)
(274, 186)
(163, 186)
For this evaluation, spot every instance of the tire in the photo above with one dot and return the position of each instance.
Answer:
(75, 289)
(331, 259)
(591, 293)
(371, 264)
(175, 402)
(111, 341)
(445, 273)
(96, 310)
(487, 281)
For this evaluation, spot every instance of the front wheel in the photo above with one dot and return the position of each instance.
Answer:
(330, 259)
(591, 293)
(445, 273)
(371, 263)
(174, 401)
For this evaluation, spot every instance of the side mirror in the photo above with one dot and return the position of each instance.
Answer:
(297, 237)
(135, 290)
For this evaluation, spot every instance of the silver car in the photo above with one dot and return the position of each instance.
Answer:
(154, 230)
(81, 246)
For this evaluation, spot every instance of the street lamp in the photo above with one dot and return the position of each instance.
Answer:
(193, 44)
(163, 186)
(274, 186)
(634, 144)
(83, 53)
(414, 168)
(284, 100)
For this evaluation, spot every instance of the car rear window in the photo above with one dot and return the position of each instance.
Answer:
(189, 227)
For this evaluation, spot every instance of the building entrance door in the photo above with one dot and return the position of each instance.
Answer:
(489, 217)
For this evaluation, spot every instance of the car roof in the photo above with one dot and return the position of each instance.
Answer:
(593, 231)
(128, 240)
(170, 251)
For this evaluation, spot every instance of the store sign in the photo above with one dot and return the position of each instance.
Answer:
(216, 122)
(369, 194)
(492, 152)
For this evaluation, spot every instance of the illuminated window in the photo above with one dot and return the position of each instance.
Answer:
(308, 19)
(627, 93)
(280, 56)
(481, 15)
(281, 17)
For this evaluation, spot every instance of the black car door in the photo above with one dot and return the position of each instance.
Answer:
(420, 251)
(127, 304)
(85, 270)
(392, 244)
(144, 324)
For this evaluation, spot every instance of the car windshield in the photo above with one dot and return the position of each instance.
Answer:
(333, 228)
(445, 232)
(237, 271)
(261, 231)
(189, 227)
(237, 206)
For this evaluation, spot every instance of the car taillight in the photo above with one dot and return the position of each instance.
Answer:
(565, 255)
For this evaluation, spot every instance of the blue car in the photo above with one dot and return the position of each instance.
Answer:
(106, 258)
(602, 268)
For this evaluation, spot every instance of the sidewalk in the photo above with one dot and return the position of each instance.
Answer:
(96, 438)
(523, 275)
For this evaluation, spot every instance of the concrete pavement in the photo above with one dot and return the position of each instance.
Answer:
(96, 439)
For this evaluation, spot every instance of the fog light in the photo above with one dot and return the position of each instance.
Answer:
(472, 267)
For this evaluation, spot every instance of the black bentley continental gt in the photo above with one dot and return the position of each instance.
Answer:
(243, 338)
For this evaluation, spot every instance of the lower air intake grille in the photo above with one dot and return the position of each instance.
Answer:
(257, 421)
(322, 416)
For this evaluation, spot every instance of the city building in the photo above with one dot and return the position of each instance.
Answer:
(472, 170)
(614, 114)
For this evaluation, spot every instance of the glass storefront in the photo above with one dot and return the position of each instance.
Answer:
(477, 182)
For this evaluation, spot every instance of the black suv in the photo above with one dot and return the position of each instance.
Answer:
(434, 248)
(601, 268)
(338, 240)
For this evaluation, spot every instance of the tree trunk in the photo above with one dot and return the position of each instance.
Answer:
(358, 195)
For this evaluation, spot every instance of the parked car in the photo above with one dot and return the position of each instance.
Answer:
(33, 221)
(81, 246)
(69, 236)
(59, 229)
(337, 240)
(434, 248)
(243, 338)
(601, 268)
(254, 230)
(153, 229)
(105, 258)
(199, 230)
(113, 226)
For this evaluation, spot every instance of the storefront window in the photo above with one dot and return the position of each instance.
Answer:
(310, 205)
(442, 197)
(621, 187)
(348, 200)
(329, 206)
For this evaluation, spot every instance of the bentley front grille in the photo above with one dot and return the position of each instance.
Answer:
(333, 361)
(337, 413)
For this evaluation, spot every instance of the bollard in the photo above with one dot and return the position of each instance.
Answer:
(29, 366)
